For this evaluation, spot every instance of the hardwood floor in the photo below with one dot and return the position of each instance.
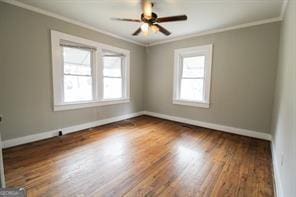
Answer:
(143, 156)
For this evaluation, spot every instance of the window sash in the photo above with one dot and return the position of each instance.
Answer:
(70, 44)
(80, 79)
(77, 75)
(183, 56)
(115, 77)
(92, 65)
(192, 99)
(112, 77)
(192, 77)
(122, 76)
(121, 65)
(122, 88)
(181, 68)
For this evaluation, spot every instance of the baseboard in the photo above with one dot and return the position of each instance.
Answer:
(29, 138)
(100, 122)
(239, 131)
(66, 130)
(276, 175)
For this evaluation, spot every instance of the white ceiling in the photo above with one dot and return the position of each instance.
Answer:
(203, 15)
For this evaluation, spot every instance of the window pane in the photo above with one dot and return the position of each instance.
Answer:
(77, 61)
(112, 66)
(193, 66)
(112, 88)
(192, 89)
(76, 69)
(77, 88)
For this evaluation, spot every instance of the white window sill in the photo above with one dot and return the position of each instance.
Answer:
(191, 103)
(89, 104)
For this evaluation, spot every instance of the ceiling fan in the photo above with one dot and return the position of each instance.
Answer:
(150, 20)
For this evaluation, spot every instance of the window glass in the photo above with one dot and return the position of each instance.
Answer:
(192, 79)
(77, 61)
(192, 89)
(193, 66)
(112, 88)
(77, 88)
(112, 66)
(112, 76)
(77, 74)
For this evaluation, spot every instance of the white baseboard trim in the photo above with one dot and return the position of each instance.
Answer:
(29, 138)
(278, 186)
(239, 131)
(66, 130)
(100, 122)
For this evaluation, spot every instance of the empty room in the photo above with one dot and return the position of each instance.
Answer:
(147, 98)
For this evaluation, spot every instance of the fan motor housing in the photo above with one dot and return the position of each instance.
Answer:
(150, 21)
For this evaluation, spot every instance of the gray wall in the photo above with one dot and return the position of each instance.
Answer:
(243, 75)
(244, 70)
(26, 85)
(284, 117)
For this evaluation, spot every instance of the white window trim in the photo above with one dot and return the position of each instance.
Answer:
(179, 53)
(57, 73)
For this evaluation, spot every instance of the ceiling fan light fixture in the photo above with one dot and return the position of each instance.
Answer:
(146, 33)
(145, 27)
(154, 28)
(150, 22)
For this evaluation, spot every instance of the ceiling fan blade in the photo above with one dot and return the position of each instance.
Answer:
(163, 30)
(137, 32)
(171, 18)
(126, 19)
(147, 8)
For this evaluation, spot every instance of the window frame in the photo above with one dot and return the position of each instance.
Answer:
(97, 73)
(179, 54)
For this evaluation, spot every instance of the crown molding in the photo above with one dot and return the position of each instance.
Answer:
(197, 34)
(75, 22)
(261, 22)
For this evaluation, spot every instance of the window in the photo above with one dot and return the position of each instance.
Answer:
(192, 76)
(112, 75)
(87, 73)
(77, 74)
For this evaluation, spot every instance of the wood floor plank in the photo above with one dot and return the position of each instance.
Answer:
(143, 156)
